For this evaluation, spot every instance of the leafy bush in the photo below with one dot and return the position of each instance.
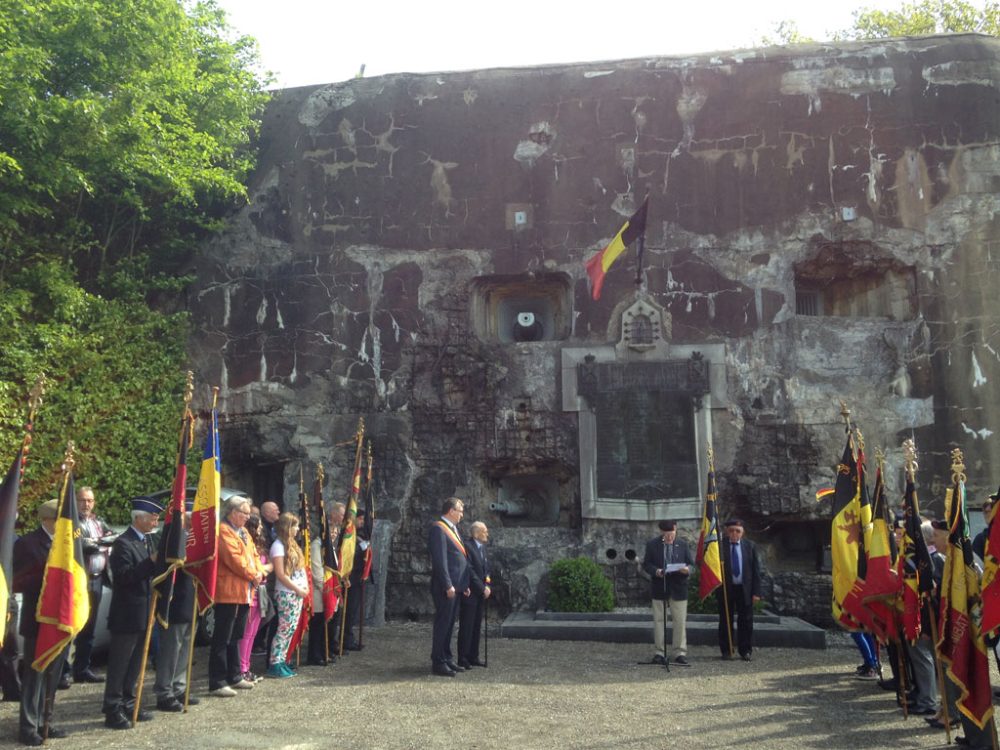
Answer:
(115, 372)
(578, 585)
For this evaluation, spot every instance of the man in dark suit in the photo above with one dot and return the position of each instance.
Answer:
(472, 607)
(38, 689)
(668, 562)
(741, 571)
(133, 562)
(449, 580)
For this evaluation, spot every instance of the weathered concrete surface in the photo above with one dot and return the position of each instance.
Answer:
(535, 695)
(866, 172)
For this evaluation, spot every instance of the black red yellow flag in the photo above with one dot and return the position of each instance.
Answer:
(63, 604)
(960, 640)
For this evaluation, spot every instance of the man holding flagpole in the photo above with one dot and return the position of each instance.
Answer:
(30, 554)
(133, 563)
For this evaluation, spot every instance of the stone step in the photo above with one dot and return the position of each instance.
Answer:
(702, 630)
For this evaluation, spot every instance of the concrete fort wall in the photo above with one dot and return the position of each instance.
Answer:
(824, 223)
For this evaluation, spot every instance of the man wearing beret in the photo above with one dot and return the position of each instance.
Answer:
(741, 572)
(668, 562)
(38, 689)
(133, 562)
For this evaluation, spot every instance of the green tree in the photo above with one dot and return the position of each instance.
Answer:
(125, 130)
(924, 17)
(126, 135)
(911, 19)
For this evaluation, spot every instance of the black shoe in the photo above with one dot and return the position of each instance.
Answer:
(57, 734)
(145, 715)
(169, 704)
(682, 661)
(657, 659)
(317, 662)
(442, 670)
(745, 657)
(477, 663)
(454, 667)
(921, 711)
(727, 657)
(117, 720)
(64, 682)
(32, 739)
(464, 664)
(88, 676)
(193, 700)
(888, 684)
(936, 724)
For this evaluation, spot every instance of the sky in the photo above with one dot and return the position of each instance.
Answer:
(306, 42)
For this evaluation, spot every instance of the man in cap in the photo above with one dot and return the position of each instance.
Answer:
(95, 559)
(741, 572)
(668, 562)
(133, 562)
(31, 552)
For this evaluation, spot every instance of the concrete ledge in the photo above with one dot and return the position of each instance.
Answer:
(702, 630)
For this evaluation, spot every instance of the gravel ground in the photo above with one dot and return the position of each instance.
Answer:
(535, 694)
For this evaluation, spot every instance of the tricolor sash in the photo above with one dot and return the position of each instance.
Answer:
(453, 537)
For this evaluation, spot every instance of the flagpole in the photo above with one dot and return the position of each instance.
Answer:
(638, 270)
(194, 633)
(370, 522)
(56, 666)
(937, 661)
(145, 655)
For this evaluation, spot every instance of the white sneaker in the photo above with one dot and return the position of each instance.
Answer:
(242, 685)
(223, 692)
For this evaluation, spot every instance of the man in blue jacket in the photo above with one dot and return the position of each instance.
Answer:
(449, 580)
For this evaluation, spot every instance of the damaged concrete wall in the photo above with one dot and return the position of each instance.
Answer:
(827, 213)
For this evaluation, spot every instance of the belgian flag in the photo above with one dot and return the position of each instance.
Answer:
(633, 229)
(709, 562)
(881, 587)
(63, 604)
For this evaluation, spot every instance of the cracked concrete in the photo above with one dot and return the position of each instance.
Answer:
(346, 287)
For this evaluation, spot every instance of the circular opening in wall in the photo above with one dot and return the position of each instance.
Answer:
(630, 555)
(612, 553)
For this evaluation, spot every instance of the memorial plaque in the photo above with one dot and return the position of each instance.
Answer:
(645, 445)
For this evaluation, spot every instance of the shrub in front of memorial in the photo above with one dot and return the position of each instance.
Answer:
(578, 584)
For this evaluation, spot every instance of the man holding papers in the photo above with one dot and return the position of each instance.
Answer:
(668, 562)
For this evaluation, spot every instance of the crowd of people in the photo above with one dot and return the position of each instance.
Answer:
(262, 581)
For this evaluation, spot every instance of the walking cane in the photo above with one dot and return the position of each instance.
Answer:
(486, 632)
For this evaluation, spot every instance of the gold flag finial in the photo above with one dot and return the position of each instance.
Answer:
(69, 459)
(910, 457)
(957, 466)
(879, 457)
(860, 438)
(845, 414)
(189, 388)
(35, 396)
